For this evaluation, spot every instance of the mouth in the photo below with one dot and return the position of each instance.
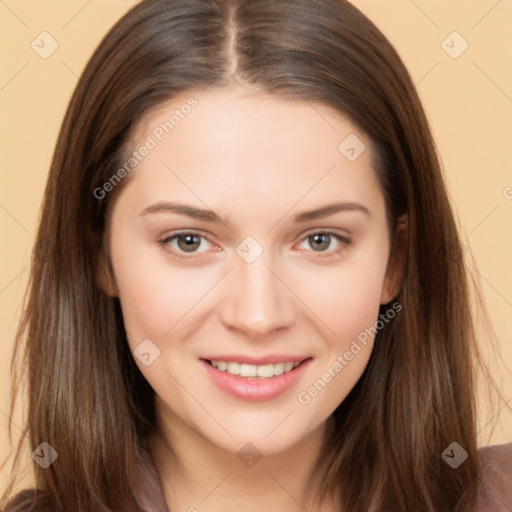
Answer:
(263, 371)
(255, 379)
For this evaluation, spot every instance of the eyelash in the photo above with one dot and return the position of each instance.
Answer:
(344, 243)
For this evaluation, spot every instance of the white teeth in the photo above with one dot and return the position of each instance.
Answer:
(247, 370)
(233, 368)
(264, 371)
(278, 368)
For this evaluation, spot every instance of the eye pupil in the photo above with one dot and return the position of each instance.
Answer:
(192, 242)
(322, 239)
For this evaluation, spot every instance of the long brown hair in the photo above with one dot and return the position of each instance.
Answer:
(86, 396)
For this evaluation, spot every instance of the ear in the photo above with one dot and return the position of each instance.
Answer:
(105, 276)
(396, 262)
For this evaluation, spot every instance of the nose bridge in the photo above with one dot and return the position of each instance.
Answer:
(258, 302)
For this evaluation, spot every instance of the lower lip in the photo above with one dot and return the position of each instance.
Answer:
(253, 389)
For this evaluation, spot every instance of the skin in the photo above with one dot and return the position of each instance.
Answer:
(256, 161)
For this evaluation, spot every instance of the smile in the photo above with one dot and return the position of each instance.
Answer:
(264, 371)
(256, 382)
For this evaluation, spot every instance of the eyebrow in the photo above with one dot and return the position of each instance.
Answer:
(209, 216)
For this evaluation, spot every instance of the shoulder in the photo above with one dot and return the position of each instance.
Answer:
(29, 500)
(495, 486)
(149, 493)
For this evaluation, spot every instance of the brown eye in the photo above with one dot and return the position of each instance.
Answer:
(188, 242)
(320, 241)
(325, 243)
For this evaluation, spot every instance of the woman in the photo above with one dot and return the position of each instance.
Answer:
(252, 294)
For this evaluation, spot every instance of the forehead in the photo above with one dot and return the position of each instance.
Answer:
(220, 142)
(237, 119)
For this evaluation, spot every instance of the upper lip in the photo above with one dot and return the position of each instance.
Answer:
(258, 361)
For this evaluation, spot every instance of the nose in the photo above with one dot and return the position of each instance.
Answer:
(257, 301)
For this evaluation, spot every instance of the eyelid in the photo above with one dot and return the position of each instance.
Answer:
(342, 239)
(166, 239)
(327, 231)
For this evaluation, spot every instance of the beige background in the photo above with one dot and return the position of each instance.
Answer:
(468, 100)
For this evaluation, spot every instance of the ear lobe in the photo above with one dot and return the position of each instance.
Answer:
(105, 277)
(396, 263)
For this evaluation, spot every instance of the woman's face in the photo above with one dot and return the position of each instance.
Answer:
(250, 238)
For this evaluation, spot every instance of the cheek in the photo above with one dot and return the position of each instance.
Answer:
(347, 299)
(154, 295)
(352, 317)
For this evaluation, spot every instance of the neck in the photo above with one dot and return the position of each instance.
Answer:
(197, 475)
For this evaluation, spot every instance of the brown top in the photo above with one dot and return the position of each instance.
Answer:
(150, 496)
(496, 485)
(495, 493)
